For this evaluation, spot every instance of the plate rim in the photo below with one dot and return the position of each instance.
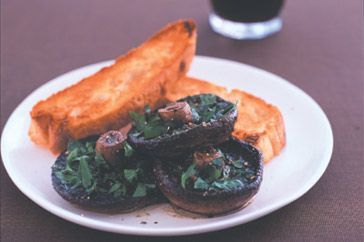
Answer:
(202, 228)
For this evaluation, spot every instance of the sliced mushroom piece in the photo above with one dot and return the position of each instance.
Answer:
(110, 144)
(204, 157)
(178, 111)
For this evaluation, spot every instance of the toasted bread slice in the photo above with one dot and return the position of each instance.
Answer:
(258, 123)
(102, 101)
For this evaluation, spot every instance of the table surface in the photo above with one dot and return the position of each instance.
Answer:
(320, 49)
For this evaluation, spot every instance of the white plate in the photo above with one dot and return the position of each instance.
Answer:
(286, 178)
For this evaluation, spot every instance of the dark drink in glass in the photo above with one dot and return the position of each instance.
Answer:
(246, 19)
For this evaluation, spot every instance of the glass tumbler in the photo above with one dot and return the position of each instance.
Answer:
(246, 19)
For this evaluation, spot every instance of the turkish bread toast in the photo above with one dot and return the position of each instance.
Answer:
(258, 123)
(103, 100)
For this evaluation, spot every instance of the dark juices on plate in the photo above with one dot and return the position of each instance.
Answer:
(247, 10)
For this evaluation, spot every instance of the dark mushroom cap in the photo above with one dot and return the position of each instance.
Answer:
(190, 136)
(217, 201)
(103, 200)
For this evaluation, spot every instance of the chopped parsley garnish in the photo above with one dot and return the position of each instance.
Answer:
(128, 150)
(224, 173)
(130, 174)
(209, 107)
(140, 191)
(204, 108)
(228, 185)
(191, 171)
(87, 170)
(201, 184)
(149, 124)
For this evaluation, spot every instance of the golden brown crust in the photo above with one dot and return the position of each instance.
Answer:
(258, 123)
(153, 72)
(102, 101)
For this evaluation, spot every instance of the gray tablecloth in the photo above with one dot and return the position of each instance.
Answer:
(320, 50)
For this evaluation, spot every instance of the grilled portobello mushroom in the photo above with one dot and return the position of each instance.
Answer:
(191, 122)
(81, 175)
(213, 180)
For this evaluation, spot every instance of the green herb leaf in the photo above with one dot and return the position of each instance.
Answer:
(118, 189)
(85, 173)
(138, 121)
(128, 150)
(76, 184)
(191, 171)
(73, 154)
(120, 192)
(238, 163)
(216, 174)
(100, 161)
(130, 174)
(208, 99)
(115, 187)
(153, 131)
(92, 188)
(140, 190)
(213, 172)
(230, 107)
(90, 147)
(228, 185)
(200, 184)
(67, 177)
(150, 186)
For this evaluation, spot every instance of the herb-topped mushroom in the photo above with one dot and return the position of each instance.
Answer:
(182, 126)
(213, 180)
(105, 173)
